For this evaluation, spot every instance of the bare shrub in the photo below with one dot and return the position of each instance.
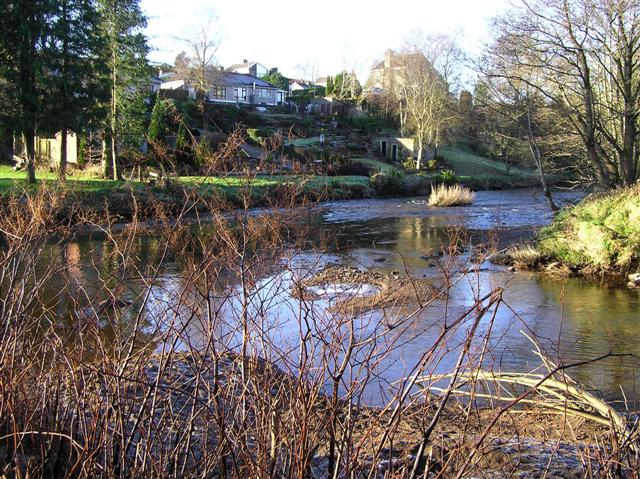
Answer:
(179, 351)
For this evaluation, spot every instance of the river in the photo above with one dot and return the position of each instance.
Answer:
(571, 319)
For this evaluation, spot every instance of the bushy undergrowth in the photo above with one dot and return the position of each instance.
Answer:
(455, 195)
(163, 355)
(601, 232)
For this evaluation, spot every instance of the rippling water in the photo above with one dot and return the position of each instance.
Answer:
(573, 320)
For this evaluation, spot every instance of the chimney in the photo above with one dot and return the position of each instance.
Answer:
(388, 55)
(160, 72)
(245, 62)
(273, 70)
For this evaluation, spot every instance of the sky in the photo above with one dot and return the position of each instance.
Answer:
(308, 39)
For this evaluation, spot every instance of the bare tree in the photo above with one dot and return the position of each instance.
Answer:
(202, 44)
(421, 91)
(518, 115)
(583, 56)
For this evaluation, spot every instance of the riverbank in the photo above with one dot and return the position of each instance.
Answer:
(597, 238)
(85, 196)
(177, 395)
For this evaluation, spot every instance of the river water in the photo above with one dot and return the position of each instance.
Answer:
(571, 319)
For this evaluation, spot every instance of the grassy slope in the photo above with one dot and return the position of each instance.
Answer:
(16, 180)
(601, 232)
(374, 165)
(482, 171)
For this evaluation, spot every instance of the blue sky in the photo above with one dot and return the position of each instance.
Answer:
(305, 38)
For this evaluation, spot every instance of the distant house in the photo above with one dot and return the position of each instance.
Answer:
(322, 81)
(399, 149)
(384, 73)
(325, 106)
(49, 148)
(300, 85)
(240, 88)
(249, 68)
(174, 84)
(154, 83)
(282, 96)
(231, 87)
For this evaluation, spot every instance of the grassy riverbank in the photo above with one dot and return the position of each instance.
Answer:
(602, 233)
(91, 193)
(356, 178)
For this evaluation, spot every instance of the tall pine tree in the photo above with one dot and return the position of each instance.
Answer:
(23, 30)
(74, 64)
(125, 52)
(329, 88)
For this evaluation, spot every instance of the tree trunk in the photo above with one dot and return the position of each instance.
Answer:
(107, 165)
(62, 167)
(539, 162)
(6, 146)
(419, 160)
(62, 172)
(30, 145)
(602, 175)
(629, 122)
(112, 150)
(112, 137)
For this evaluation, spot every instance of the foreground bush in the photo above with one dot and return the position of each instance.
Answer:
(456, 195)
(160, 353)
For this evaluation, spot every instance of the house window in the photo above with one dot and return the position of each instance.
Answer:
(219, 92)
(241, 94)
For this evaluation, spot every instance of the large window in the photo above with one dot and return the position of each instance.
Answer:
(219, 92)
(241, 94)
(264, 93)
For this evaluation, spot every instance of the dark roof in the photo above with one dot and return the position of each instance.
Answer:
(243, 79)
(239, 65)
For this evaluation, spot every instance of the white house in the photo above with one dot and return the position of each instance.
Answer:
(179, 85)
(248, 68)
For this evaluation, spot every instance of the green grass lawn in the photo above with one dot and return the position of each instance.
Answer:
(378, 165)
(466, 163)
(235, 182)
(305, 142)
(16, 180)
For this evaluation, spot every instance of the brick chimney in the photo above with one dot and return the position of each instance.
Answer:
(245, 62)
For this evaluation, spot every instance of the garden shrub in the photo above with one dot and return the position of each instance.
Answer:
(389, 183)
(447, 177)
(259, 135)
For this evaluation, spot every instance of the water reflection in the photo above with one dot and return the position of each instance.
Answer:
(573, 319)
